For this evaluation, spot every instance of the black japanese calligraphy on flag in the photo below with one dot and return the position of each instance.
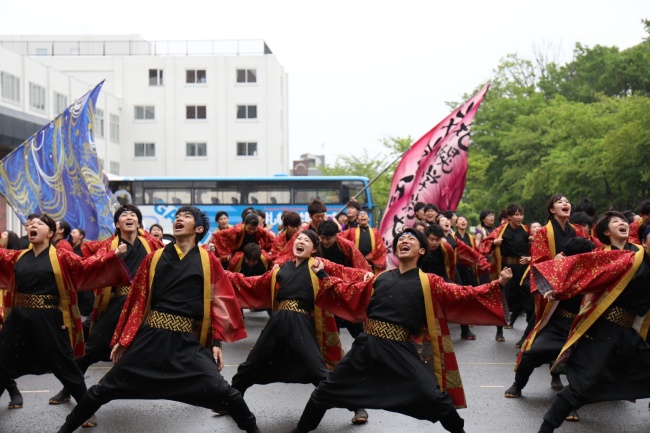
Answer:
(433, 170)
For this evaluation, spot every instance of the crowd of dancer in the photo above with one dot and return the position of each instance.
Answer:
(160, 311)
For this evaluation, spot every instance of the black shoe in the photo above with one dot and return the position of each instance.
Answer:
(468, 335)
(513, 392)
(360, 416)
(62, 397)
(520, 343)
(556, 382)
(573, 416)
(546, 428)
(65, 428)
(499, 337)
(15, 397)
(90, 422)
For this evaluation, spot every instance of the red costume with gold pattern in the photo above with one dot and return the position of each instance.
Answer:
(543, 249)
(72, 274)
(228, 242)
(223, 319)
(259, 293)
(443, 303)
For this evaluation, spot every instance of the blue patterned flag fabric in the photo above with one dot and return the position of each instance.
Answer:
(56, 171)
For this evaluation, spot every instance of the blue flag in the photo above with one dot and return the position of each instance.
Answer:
(56, 171)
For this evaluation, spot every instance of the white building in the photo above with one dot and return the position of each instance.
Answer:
(172, 108)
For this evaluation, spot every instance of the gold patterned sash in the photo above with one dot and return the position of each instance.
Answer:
(561, 312)
(386, 330)
(291, 305)
(36, 301)
(620, 316)
(120, 291)
(511, 261)
(170, 322)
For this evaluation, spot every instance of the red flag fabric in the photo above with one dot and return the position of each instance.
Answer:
(433, 170)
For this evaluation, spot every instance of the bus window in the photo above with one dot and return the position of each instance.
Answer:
(230, 196)
(350, 188)
(176, 193)
(306, 195)
(205, 196)
(268, 195)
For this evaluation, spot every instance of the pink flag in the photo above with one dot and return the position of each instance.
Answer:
(433, 170)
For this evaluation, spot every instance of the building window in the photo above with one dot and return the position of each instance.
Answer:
(196, 149)
(115, 167)
(195, 76)
(99, 123)
(247, 111)
(114, 128)
(246, 76)
(155, 77)
(60, 103)
(41, 51)
(196, 112)
(246, 149)
(10, 87)
(145, 112)
(145, 150)
(37, 97)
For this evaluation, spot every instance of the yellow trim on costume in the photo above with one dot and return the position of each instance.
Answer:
(207, 297)
(497, 250)
(180, 252)
(274, 279)
(152, 274)
(431, 326)
(586, 322)
(318, 313)
(550, 234)
(357, 237)
(645, 326)
(63, 295)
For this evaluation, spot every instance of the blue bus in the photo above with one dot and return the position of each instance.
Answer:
(159, 197)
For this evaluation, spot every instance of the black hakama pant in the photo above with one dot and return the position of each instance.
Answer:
(609, 362)
(378, 373)
(35, 341)
(98, 345)
(548, 344)
(163, 364)
(286, 351)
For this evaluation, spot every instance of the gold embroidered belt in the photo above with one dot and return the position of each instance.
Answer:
(620, 316)
(387, 330)
(120, 291)
(510, 261)
(170, 322)
(561, 312)
(36, 301)
(292, 305)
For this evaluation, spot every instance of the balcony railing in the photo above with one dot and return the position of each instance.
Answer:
(138, 48)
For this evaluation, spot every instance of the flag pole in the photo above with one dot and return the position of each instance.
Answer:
(373, 180)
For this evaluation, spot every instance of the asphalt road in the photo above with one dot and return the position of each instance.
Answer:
(486, 369)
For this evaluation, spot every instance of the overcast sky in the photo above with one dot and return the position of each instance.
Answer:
(359, 71)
